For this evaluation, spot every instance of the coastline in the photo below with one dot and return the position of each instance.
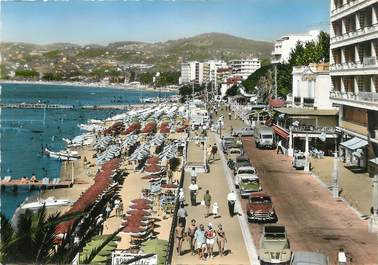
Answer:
(97, 84)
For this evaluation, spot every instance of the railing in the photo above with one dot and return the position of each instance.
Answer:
(345, 6)
(361, 96)
(357, 33)
(313, 129)
(367, 62)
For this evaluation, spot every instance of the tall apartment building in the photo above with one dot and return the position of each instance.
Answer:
(284, 45)
(188, 72)
(354, 75)
(244, 67)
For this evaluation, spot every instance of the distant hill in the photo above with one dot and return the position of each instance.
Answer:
(164, 55)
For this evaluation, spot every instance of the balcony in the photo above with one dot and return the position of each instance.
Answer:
(354, 127)
(353, 36)
(350, 8)
(365, 100)
(368, 63)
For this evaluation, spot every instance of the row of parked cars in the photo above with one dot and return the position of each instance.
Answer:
(274, 244)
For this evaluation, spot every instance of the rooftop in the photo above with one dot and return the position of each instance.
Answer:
(304, 111)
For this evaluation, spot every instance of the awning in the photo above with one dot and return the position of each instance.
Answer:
(374, 161)
(281, 132)
(354, 143)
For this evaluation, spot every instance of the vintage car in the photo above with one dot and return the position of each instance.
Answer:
(260, 208)
(241, 161)
(274, 246)
(246, 131)
(246, 172)
(226, 142)
(233, 153)
(299, 160)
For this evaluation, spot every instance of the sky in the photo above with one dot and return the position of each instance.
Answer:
(102, 22)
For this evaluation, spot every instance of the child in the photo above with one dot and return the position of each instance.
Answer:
(215, 210)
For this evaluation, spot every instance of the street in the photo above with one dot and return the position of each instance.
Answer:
(313, 219)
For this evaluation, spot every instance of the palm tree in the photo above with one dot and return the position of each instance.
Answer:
(32, 240)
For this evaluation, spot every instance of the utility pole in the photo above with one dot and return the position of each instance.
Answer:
(373, 221)
(275, 80)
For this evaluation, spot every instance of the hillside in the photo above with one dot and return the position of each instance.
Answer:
(163, 55)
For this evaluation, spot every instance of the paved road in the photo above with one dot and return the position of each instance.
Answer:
(314, 220)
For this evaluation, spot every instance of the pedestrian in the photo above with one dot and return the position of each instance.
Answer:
(221, 240)
(215, 210)
(231, 130)
(182, 214)
(214, 150)
(231, 199)
(108, 209)
(210, 240)
(200, 241)
(179, 232)
(207, 200)
(181, 196)
(229, 115)
(194, 175)
(209, 152)
(116, 206)
(169, 175)
(192, 228)
(193, 188)
(99, 224)
(279, 147)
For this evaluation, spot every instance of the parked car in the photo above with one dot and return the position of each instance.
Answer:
(264, 137)
(246, 131)
(233, 153)
(274, 246)
(299, 160)
(260, 208)
(226, 142)
(241, 161)
(309, 258)
(247, 171)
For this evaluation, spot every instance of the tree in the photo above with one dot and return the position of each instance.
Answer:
(232, 91)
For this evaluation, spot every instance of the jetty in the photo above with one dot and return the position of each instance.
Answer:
(51, 184)
(62, 106)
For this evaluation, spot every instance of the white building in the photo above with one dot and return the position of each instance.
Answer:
(354, 75)
(188, 72)
(244, 67)
(311, 86)
(284, 45)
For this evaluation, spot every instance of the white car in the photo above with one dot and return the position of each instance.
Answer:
(244, 173)
(246, 131)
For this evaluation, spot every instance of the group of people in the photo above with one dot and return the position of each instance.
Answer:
(201, 241)
(33, 179)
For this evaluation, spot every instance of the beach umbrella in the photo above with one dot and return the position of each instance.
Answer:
(140, 206)
(141, 200)
(153, 160)
(153, 169)
(138, 212)
(169, 186)
(133, 230)
(151, 177)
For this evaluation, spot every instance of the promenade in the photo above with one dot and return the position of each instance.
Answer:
(215, 181)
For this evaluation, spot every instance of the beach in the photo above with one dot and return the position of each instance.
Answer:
(94, 84)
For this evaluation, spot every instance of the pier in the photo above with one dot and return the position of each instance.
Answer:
(62, 106)
(17, 183)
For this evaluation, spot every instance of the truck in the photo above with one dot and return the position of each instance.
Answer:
(274, 246)
(260, 208)
(264, 137)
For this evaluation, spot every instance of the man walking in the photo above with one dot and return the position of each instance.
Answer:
(182, 214)
(214, 151)
(207, 199)
(231, 198)
(193, 188)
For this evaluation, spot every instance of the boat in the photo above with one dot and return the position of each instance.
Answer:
(49, 202)
(66, 155)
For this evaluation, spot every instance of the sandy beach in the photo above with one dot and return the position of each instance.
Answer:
(99, 85)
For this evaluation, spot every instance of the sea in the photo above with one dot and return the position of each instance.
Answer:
(24, 132)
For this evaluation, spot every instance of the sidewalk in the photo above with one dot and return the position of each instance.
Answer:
(356, 187)
(217, 184)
